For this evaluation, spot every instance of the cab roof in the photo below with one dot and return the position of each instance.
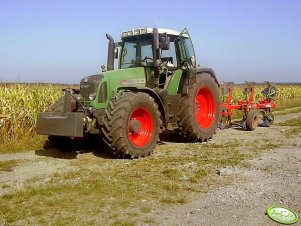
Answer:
(148, 30)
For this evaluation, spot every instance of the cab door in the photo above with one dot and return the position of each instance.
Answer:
(187, 59)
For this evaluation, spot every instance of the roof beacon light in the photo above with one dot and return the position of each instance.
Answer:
(143, 31)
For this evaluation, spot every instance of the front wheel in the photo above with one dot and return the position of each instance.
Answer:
(200, 110)
(131, 125)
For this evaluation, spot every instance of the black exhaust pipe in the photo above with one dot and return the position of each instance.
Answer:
(111, 51)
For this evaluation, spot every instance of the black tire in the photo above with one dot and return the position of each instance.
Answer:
(192, 126)
(127, 117)
(252, 120)
(58, 106)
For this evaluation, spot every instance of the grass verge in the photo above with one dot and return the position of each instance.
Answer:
(293, 127)
(116, 192)
(284, 104)
(291, 122)
(24, 143)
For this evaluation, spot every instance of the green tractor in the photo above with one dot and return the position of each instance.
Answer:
(157, 87)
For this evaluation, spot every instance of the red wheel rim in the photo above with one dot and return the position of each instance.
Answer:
(141, 135)
(205, 108)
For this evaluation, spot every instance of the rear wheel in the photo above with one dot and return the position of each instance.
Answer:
(252, 120)
(200, 110)
(131, 125)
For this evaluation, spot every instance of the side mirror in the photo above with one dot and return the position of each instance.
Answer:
(164, 42)
(193, 61)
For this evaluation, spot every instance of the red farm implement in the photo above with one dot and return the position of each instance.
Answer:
(250, 110)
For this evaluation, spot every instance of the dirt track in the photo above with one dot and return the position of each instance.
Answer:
(273, 178)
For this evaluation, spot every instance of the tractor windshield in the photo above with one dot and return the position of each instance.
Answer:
(137, 51)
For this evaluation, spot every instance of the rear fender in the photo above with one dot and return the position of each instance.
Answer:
(208, 71)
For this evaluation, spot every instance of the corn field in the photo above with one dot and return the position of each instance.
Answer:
(20, 104)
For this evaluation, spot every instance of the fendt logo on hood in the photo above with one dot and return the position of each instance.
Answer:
(85, 85)
(132, 81)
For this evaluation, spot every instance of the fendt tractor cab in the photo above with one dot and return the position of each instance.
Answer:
(157, 86)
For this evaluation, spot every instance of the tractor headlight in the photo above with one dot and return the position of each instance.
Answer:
(92, 96)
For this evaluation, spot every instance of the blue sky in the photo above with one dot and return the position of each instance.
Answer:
(64, 41)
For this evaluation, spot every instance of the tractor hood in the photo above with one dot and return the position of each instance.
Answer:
(97, 90)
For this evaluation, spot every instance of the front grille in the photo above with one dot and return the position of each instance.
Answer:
(89, 85)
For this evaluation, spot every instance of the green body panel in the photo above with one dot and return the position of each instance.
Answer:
(133, 77)
(173, 85)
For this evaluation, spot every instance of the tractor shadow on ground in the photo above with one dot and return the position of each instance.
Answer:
(239, 128)
(56, 153)
(170, 136)
(74, 149)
